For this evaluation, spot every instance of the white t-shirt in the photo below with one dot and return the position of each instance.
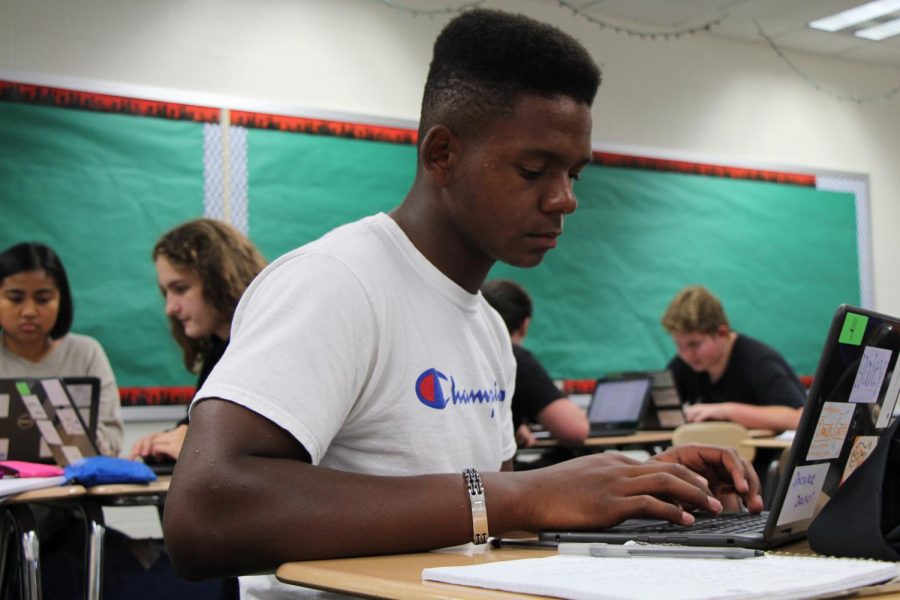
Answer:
(76, 355)
(372, 358)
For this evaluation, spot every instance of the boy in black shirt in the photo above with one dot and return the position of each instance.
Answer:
(727, 376)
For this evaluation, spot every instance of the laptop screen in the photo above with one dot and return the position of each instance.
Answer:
(40, 422)
(850, 403)
(619, 400)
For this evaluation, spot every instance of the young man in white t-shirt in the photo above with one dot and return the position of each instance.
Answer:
(366, 372)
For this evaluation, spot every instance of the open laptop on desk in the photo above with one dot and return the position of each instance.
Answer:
(666, 409)
(618, 404)
(40, 422)
(850, 403)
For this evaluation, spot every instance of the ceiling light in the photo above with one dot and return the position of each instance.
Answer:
(854, 16)
(880, 31)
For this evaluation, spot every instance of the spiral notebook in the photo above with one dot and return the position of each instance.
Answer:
(785, 577)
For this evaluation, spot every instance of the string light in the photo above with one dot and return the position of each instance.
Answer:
(432, 12)
(668, 35)
(816, 86)
(644, 35)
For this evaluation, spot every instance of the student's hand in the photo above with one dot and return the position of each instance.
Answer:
(164, 444)
(602, 490)
(719, 411)
(731, 478)
(524, 436)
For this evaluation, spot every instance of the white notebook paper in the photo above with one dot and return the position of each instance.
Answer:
(587, 578)
(17, 485)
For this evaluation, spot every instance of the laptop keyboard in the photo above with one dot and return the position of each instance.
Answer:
(731, 523)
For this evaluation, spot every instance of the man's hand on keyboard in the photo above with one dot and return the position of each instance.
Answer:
(731, 479)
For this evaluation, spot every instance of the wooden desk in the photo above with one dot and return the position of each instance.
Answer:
(639, 438)
(28, 550)
(771, 443)
(400, 576)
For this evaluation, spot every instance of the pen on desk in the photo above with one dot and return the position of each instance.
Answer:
(523, 543)
(618, 551)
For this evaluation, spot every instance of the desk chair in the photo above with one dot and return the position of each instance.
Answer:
(715, 433)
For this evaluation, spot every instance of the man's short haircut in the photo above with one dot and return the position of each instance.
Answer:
(35, 256)
(485, 60)
(509, 299)
(694, 310)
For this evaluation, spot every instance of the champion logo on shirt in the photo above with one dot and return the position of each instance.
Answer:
(431, 390)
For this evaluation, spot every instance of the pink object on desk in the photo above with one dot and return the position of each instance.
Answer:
(30, 469)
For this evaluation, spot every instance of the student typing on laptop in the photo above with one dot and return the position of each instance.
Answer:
(724, 375)
(537, 399)
(362, 406)
(202, 266)
(36, 312)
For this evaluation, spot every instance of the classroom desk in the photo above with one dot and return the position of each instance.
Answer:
(27, 544)
(768, 443)
(639, 438)
(400, 576)
(116, 494)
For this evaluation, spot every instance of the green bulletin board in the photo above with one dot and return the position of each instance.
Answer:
(302, 186)
(101, 187)
(781, 258)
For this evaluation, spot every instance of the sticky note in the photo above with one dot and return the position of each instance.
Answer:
(69, 421)
(863, 446)
(803, 494)
(44, 451)
(831, 431)
(48, 431)
(55, 392)
(72, 454)
(870, 375)
(890, 400)
(35, 409)
(853, 329)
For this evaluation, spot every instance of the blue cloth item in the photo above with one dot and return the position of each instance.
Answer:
(98, 470)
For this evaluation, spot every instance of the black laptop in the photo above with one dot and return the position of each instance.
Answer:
(618, 404)
(40, 422)
(851, 401)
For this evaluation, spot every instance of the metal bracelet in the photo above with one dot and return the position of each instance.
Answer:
(479, 508)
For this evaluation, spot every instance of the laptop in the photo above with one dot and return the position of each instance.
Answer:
(666, 410)
(40, 422)
(618, 404)
(851, 400)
